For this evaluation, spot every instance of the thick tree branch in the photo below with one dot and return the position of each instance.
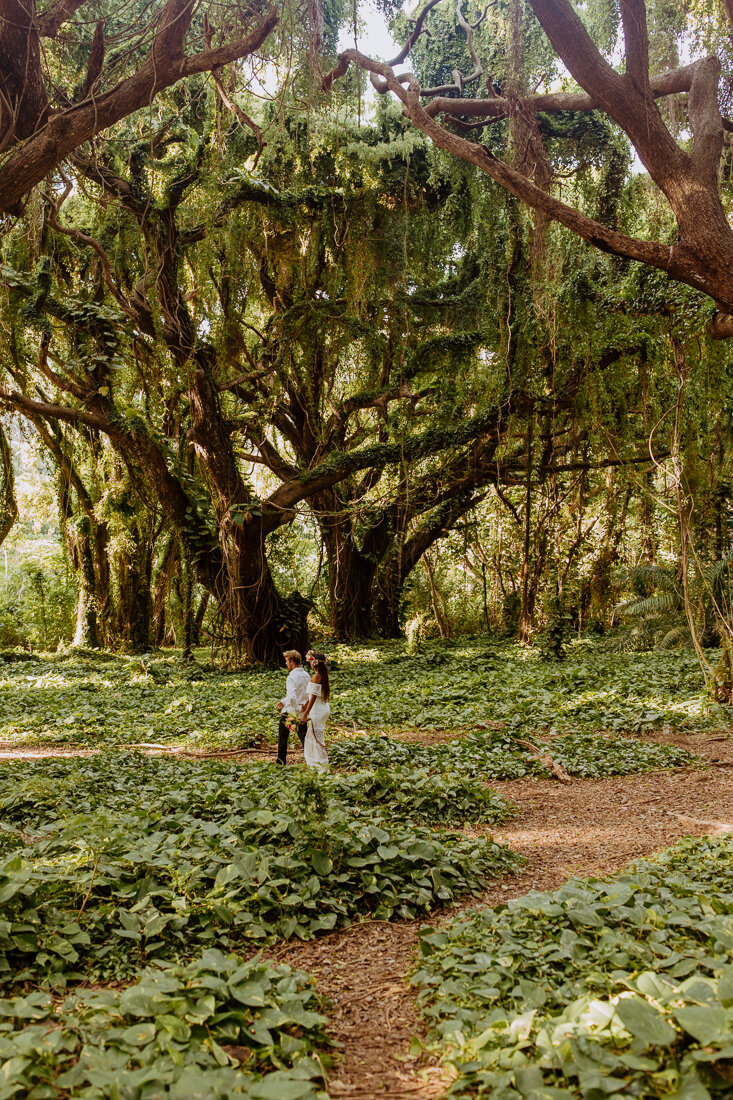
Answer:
(705, 120)
(23, 100)
(567, 33)
(609, 240)
(628, 103)
(50, 22)
(96, 61)
(14, 400)
(703, 258)
(341, 465)
(498, 107)
(64, 132)
(636, 39)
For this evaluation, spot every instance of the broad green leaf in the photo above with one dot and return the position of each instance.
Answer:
(322, 863)
(706, 1023)
(645, 1022)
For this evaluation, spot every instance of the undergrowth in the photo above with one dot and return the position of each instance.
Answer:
(498, 755)
(97, 699)
(114, 861)
(620, 986)
(216, 1028)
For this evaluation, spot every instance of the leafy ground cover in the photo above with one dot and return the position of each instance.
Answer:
(216, 1028)
(34, 793)
(116, 860)
(96, 699)
(620, 986)
(104, 700)
(461, 683)
(497, 755)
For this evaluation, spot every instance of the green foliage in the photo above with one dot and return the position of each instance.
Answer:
(116, 860)
(36, 603)
(181, 1031)
(590, 757)
(605, 987)
(103, 700)
(421, 794)
(384, 687)
(555, 635)
(655, 613)
(38, 791)
(499, 756)
(96, 698)
(492, 756)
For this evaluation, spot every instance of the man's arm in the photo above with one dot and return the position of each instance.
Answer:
(288, 703)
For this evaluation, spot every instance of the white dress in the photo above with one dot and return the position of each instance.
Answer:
(314, 746)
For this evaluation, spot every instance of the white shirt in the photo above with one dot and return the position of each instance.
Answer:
(296, 690)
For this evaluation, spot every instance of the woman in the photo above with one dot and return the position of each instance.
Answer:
(316, 712)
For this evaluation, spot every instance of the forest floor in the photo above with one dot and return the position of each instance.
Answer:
(588, 827)
(583, 828)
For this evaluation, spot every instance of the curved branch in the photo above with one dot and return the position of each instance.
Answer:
(14, 400)
(141, 316)
(341, 464)
(460, 80)
(608, 240)
(164, 66)
(417, 30)
(498, 107)
(51, 21)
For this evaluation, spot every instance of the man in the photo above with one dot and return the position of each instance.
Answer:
(296, 697)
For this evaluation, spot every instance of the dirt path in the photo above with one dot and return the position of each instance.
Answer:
(588, 827)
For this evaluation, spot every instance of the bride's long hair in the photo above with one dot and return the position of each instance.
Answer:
(321, 662)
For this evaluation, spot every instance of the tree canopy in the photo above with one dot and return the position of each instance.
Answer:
(298, 358)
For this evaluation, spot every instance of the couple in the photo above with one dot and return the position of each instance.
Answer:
(305, 707)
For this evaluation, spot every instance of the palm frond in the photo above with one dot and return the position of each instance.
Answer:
(659, 604)
(648, 573)
(678, 635)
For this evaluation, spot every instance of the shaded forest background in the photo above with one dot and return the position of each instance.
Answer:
(274, 366)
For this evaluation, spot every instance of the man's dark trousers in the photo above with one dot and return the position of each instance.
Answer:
(282, 738)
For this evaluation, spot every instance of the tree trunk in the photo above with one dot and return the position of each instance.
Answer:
(527, 612)
(135, 603)
(162, 589)
(262, 622)
(387, 601)
(23, 94)
(198, 621)
(351, 599)
(187, 609)
(86, 633)
(350, 577)
(437, 600)
(8, 505)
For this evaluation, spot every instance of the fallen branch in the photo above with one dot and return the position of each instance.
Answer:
(219, 754)
(544, 757)
(265, 750)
